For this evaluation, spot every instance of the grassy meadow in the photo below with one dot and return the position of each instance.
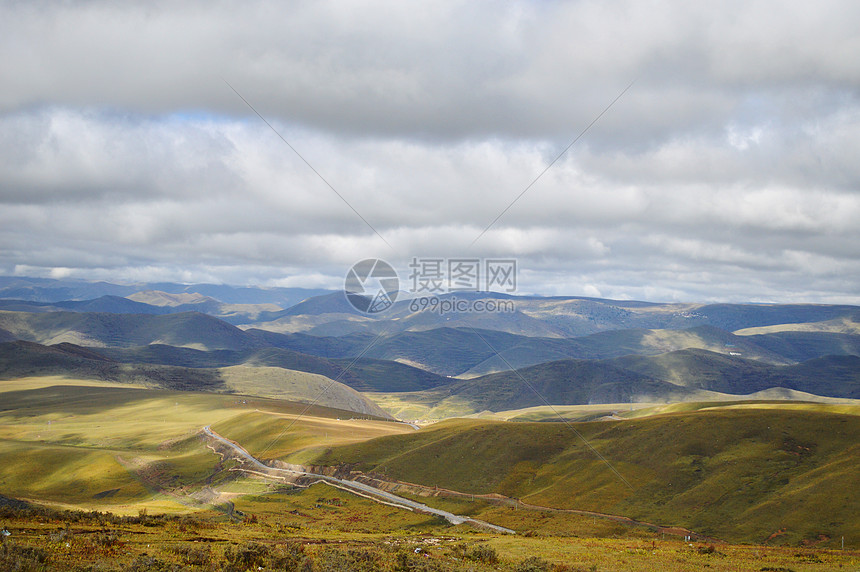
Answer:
(107, 446)
(775, 482)
(740, 472)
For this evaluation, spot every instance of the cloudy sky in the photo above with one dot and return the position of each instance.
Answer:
(728, 171)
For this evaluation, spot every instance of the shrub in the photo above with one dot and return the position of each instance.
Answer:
(21, 558)
(533, 564)
(146, 563)
(483, 553)
(251, 555)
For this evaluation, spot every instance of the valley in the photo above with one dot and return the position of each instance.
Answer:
(614, 439)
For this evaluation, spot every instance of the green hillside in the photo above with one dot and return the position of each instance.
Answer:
(362, 374)
(802, 346)
(97, 445)
(737, 474)
(700, 369)
(675, 376)
(27, 359)
(563, 382)
(471, 353)
(190, 329)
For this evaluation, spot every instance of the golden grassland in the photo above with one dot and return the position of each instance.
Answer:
(322, 528)
(779, 475)
(742, 472)
(107, 446)
(838, 326)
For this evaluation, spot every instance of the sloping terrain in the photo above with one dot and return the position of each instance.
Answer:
(546, 316)
(832, 376)
(470, 353)
(363, 374)
(676, 376)
(27, 359)
(564, 382)
(96, 445)
(444, 351)
(109, 304)
(190, 329)
(737, 474)
(802, 346)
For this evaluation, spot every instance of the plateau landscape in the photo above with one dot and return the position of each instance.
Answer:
(362, 285)
(639, 423)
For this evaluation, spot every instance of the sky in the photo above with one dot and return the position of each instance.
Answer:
(714, 157)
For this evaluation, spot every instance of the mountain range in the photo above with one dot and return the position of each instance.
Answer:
(548, 351)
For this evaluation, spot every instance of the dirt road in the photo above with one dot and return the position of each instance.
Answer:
(355, 487)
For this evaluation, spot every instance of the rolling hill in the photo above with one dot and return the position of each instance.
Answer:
(22, 359)
(362, 374)
(675, 376)
(744, 475)
(547, 316)
(108, 304)
(190, 329)
(470, 353)
(27, 359)
(802, 346)
(565, 382)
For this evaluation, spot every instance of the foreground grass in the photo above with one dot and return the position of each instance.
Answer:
(322, 528)
(769, 474)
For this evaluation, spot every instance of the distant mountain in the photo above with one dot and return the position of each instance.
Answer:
(360, 374)
(333, 303)
(49, 290)
(162, 303)
(28, 359)
(837, 376)
(325, 346)
(105, 304)
(468, 352)
(159, 298)
(189, 329)
(802, 346)
(830, 375)
(565, 382)
(702, 369)
(543, 316)
(327, 313)
(674, 376)
(391, 376)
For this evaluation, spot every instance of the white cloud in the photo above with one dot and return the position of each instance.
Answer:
(727, 172)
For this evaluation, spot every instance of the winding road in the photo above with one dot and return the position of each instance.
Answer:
(358, 488)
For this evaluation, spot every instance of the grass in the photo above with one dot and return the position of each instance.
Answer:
(727, 471)
(107, 446)
(300, 439)
(844, 325)
(422, 407)
(777, 473)
(279, 383)
(325, 529)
